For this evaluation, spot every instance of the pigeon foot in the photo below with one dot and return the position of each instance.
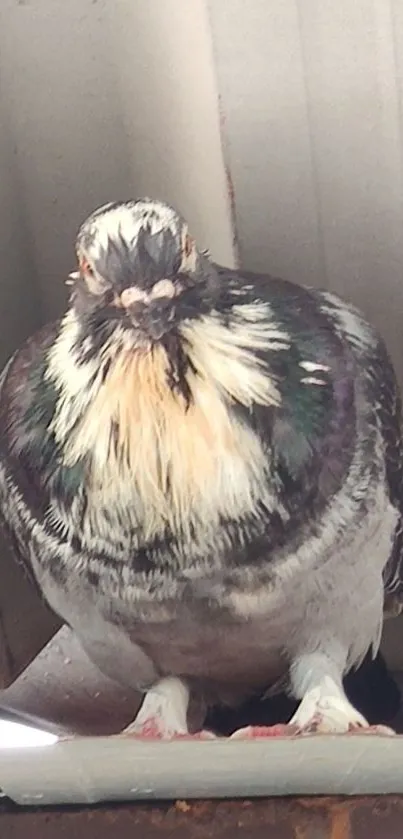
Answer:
(163, 714)
(330, 712)
(152, 729)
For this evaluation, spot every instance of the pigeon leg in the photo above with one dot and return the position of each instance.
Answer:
(163, 714)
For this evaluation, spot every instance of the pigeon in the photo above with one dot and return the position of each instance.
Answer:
(202, 469)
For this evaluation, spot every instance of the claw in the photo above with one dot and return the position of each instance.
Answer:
(153, 729)
(259, 732)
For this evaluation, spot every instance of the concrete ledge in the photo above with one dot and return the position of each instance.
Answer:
(92, 770)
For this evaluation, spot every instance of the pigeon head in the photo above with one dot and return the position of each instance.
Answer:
(139, 268)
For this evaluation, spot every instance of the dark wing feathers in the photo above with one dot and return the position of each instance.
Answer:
(384, 394)
(391, 422)
(16, 394)
(10, 538)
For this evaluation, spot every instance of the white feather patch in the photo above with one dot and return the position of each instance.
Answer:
(312, 380)
(350, 322)
(127, 220)
(313, 367)
(153, 458)
(228, 356)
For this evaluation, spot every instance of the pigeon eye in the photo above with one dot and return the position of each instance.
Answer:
(87, 268)
(95, 283)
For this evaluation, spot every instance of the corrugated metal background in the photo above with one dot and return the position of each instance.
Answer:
(312, 92)
(102, 99)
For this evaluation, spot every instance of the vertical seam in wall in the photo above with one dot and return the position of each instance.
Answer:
(225, 150)
(312, 155)
(225, 147)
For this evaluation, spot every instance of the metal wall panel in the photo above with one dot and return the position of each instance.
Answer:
(312, 94)
(20, 312)
(108, 99)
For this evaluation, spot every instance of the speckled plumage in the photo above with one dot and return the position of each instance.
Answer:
(221, 503)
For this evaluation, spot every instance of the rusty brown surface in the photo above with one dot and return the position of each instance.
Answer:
(375, 817)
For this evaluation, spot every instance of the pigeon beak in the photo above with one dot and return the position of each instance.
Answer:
(155, 328)
(151, 323)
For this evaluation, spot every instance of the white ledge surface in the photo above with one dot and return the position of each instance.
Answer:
(91, 770)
